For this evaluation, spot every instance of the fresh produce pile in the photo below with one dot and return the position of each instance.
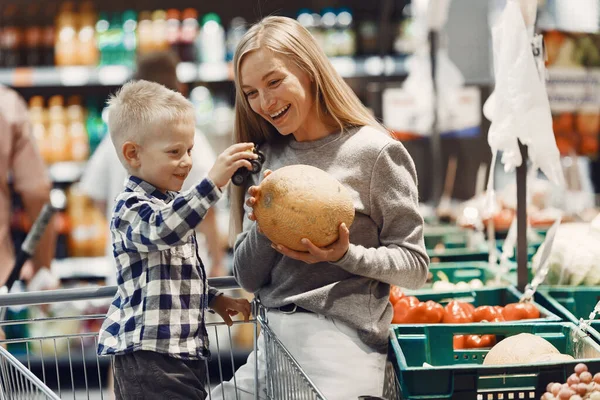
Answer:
(580, 385)
(574, 256)
(443, 283)
(410, 310)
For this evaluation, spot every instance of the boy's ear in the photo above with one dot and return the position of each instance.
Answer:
(131, 153)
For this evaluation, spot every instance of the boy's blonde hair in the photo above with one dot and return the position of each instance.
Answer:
(139, 108)
(333, 97)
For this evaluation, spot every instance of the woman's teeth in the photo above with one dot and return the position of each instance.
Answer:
(280, 112)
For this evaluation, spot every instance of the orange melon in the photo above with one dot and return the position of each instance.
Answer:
(301, 201)
(522, 348)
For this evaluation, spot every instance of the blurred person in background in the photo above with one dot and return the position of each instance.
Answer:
(104, 176)
(20, 158)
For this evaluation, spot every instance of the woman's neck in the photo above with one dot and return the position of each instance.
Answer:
(316, 129)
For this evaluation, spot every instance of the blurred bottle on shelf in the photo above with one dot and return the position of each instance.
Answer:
(159, 30)
(32, 36)
(88, 234)
(114, 36)
(66, 133)
(345, 36)
(328, 26)
(48, 33)
(78, 137)
(312, 22)
(38, 120)
(405, 41)
(86, 41)
(130, 42)
(11, 36)
(144, 32)
(188, 34)
(368, 33)
(211, 40)
(67, 44)
(202, 99)
(95, 126)
(57, 130)
(237, 29)
(102, 38)
(173, 31)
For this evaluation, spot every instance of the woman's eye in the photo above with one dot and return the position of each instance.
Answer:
(251, 94)
(174, 151)
(274, 82)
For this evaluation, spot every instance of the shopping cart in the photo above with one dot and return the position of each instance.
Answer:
(59, 359)
(54, 356)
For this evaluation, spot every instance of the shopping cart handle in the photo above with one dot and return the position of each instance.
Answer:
(30, 243)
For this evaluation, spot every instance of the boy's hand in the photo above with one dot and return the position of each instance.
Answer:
(227, 306)
(229, 161)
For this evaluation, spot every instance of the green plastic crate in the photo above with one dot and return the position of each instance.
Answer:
(467, 270)
(501, 235)
(464, 271)
(532, 248)
(498, 296)
(571, 302)
(449, 235)
(459, 374)
(458, 255)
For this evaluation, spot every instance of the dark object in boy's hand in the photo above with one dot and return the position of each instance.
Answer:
(241, 175)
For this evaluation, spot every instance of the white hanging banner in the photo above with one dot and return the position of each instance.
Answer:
(403, 113)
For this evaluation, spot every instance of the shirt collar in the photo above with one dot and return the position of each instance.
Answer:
(136, 184)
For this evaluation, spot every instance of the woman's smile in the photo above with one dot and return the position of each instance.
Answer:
(280, 114)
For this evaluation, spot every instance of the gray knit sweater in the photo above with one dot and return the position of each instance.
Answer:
(386, 237)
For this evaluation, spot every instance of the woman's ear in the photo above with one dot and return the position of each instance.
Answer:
(131, 153)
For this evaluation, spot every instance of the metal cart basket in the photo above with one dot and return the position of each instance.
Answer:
(56, 358)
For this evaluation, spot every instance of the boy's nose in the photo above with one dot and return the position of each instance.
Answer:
(186, 161)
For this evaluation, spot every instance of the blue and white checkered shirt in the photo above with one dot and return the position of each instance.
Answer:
(162, 286)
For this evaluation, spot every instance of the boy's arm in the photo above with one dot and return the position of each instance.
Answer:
(144, 226)
(212, 293)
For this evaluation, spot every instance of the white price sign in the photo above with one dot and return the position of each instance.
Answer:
(459, 117)
(569, 88)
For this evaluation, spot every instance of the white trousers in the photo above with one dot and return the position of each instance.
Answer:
(339, 364)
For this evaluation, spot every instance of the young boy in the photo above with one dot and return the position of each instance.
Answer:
(155, 327)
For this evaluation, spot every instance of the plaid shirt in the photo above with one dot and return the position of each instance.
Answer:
(162, 290)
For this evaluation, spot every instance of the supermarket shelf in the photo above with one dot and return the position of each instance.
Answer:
(82, 268)
(63, 172)
(65, 76)
(66, 172)
(114, 75)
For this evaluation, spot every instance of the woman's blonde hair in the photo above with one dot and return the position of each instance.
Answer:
(334, 98)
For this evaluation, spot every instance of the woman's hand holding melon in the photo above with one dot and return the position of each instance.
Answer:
(332, 253)
(314, 254)
(253, 192)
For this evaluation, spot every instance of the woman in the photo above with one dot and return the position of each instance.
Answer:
(329, 306)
